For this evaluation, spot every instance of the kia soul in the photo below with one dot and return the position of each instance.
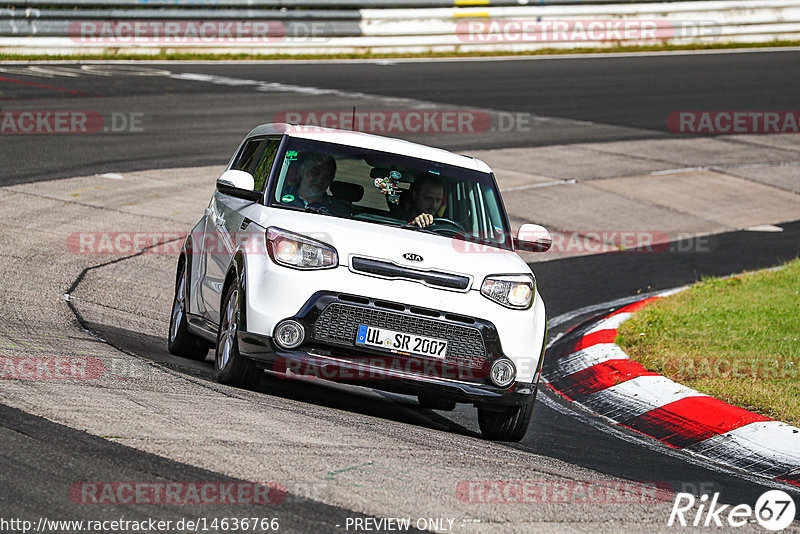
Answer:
(361, 259)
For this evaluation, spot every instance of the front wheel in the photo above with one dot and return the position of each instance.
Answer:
(230, 367)
(510, 424)
(181, 342)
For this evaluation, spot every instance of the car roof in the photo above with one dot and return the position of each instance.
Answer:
(371, 142)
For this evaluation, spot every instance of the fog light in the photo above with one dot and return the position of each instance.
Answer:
(289, 334)
(503, 373)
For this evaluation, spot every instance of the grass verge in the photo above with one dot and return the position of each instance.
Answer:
(162, 56)
(737, 339)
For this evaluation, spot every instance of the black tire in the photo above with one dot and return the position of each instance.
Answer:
(510, 424)
(230, 367)
(432, 403)
(180, 341)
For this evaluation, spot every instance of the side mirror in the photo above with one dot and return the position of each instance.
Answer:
(533, 238)
(238, 184)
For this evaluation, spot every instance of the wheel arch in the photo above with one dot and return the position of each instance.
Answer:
(237, 271)
(186, 264)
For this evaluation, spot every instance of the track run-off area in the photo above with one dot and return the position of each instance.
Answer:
(581, 145)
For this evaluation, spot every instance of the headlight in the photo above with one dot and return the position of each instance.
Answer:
(510, 290)
(300, 252)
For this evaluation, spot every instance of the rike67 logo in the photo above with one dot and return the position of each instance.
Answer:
(774, 510)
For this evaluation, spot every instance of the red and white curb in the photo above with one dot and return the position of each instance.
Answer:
(597, 374)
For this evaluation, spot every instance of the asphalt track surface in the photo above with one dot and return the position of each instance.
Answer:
(71, 454)
(196, 123)
(41, 459)
(634, 94)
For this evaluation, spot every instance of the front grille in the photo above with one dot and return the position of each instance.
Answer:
(338, 323)
(387, 269)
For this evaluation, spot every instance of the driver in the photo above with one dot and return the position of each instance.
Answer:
(427, 193)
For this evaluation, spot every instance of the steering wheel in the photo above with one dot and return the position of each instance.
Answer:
(440, 223)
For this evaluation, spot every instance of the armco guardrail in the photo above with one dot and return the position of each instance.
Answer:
(304, 4)
(324, 26)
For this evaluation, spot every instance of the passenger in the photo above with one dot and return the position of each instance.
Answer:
(316, 173)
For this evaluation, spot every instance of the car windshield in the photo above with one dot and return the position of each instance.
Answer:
(390, 189)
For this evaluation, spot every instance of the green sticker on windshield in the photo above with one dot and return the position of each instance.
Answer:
(291, 155)
(287, 198)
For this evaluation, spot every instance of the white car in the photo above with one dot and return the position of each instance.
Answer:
(365, 260)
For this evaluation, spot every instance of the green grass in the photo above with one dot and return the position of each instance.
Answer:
(368, 55)
(736, 339)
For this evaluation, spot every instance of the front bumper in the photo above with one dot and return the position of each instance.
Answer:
(379, 373)
(274, 293)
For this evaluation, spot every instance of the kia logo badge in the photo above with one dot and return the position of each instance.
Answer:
(412, 257)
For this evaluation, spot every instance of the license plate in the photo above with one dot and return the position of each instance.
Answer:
(371, 336)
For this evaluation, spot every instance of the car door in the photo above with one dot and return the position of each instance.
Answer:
(224, 221)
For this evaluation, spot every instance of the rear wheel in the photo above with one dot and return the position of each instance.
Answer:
(230, 367)
(432, 403)
(510, 424)
(181, 342)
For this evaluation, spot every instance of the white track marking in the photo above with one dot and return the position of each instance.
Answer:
(764, 228)
(624, 301)
(275, 87)
(767, 448)
(46, 70)
(611, 323)
(637, 396)
(762, 449)
(536, 186)
(585, 358)
(606, 426)
(413, 103)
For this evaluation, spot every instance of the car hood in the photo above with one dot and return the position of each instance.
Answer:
(404, 247)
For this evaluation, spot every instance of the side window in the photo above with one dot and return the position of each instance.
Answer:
(246, 158)
(261, 172)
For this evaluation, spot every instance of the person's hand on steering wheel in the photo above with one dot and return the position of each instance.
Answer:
(422, 220)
